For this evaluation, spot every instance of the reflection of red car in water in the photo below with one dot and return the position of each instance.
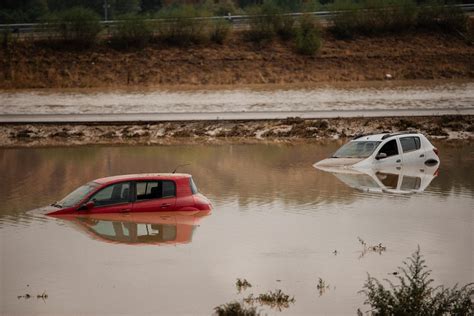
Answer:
(139, 228)
(134, 193)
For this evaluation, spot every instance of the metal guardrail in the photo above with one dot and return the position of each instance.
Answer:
(237, 21)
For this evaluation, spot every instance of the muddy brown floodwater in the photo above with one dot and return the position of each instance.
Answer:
(277, 222)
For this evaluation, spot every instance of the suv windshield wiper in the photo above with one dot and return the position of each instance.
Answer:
(56, 204)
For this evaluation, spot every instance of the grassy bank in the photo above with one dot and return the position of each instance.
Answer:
(287, 130)
(412, 55)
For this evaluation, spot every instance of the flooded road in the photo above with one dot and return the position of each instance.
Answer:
(277, 221)
(406, 95)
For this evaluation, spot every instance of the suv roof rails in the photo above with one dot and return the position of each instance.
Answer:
(370, 134)
(360, 135)
(397, 134)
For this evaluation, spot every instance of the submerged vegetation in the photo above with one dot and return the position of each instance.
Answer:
(322, 286)
(235, 309)
(242, 285)
(414, 295)
(378, 248)
(277, 299)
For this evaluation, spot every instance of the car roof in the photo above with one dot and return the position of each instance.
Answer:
(142, 176)
(383, 136)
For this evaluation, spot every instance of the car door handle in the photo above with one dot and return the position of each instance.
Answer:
(422, 155)
(165, 205)
(398, 161)
(125, 210)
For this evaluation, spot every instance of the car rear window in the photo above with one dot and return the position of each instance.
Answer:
(410, 143)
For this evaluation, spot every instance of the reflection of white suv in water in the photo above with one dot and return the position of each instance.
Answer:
(399, 180)
(383, 150)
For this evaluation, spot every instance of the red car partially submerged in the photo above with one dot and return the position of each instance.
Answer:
(156, 192)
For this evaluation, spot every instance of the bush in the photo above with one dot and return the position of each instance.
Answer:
(344, 23)
(374, 17)
(415, 295)
(268, 21)
(219, 31)
(182, 25)
(262, 23)
(220, 7)
(132, 31)
(437, 16)
(7, 38)
(235, 309)
(308, 35)
(285, 26)
(77, 26)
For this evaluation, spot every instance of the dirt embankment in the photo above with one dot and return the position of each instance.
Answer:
(287, 130)
(237, 62)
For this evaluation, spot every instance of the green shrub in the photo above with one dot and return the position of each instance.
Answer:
(182, 25)
(375, 17)
(345, 23)
(415, 295)
(7, 38)
(308, 35)
(270, 20)
(285, 26)
(132, 31)
(372, 17)
(219, 31)
(220, 7)
(235, 309)
(77, 26)
(436, 16)
(262, 23)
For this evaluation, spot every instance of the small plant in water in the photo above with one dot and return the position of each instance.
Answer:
(42, 296)
(322, 286)
(415, 295)
(277, 299)
(242, 285)
(379, 248)
(235, 309)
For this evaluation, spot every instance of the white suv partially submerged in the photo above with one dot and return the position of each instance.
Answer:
(380, 151)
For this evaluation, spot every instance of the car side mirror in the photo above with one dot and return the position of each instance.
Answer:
(381, 156)
(87, 206)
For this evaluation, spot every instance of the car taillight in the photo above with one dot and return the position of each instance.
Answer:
(436, 151)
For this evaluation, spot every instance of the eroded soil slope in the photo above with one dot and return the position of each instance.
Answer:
(237, 62)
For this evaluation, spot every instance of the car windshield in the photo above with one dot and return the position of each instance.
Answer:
(77, 195)
(356, 149)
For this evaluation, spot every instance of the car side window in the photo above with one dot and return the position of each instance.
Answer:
(410, 143)
(169, 189)
(147, 190)
(390, 148)
(113, 194)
